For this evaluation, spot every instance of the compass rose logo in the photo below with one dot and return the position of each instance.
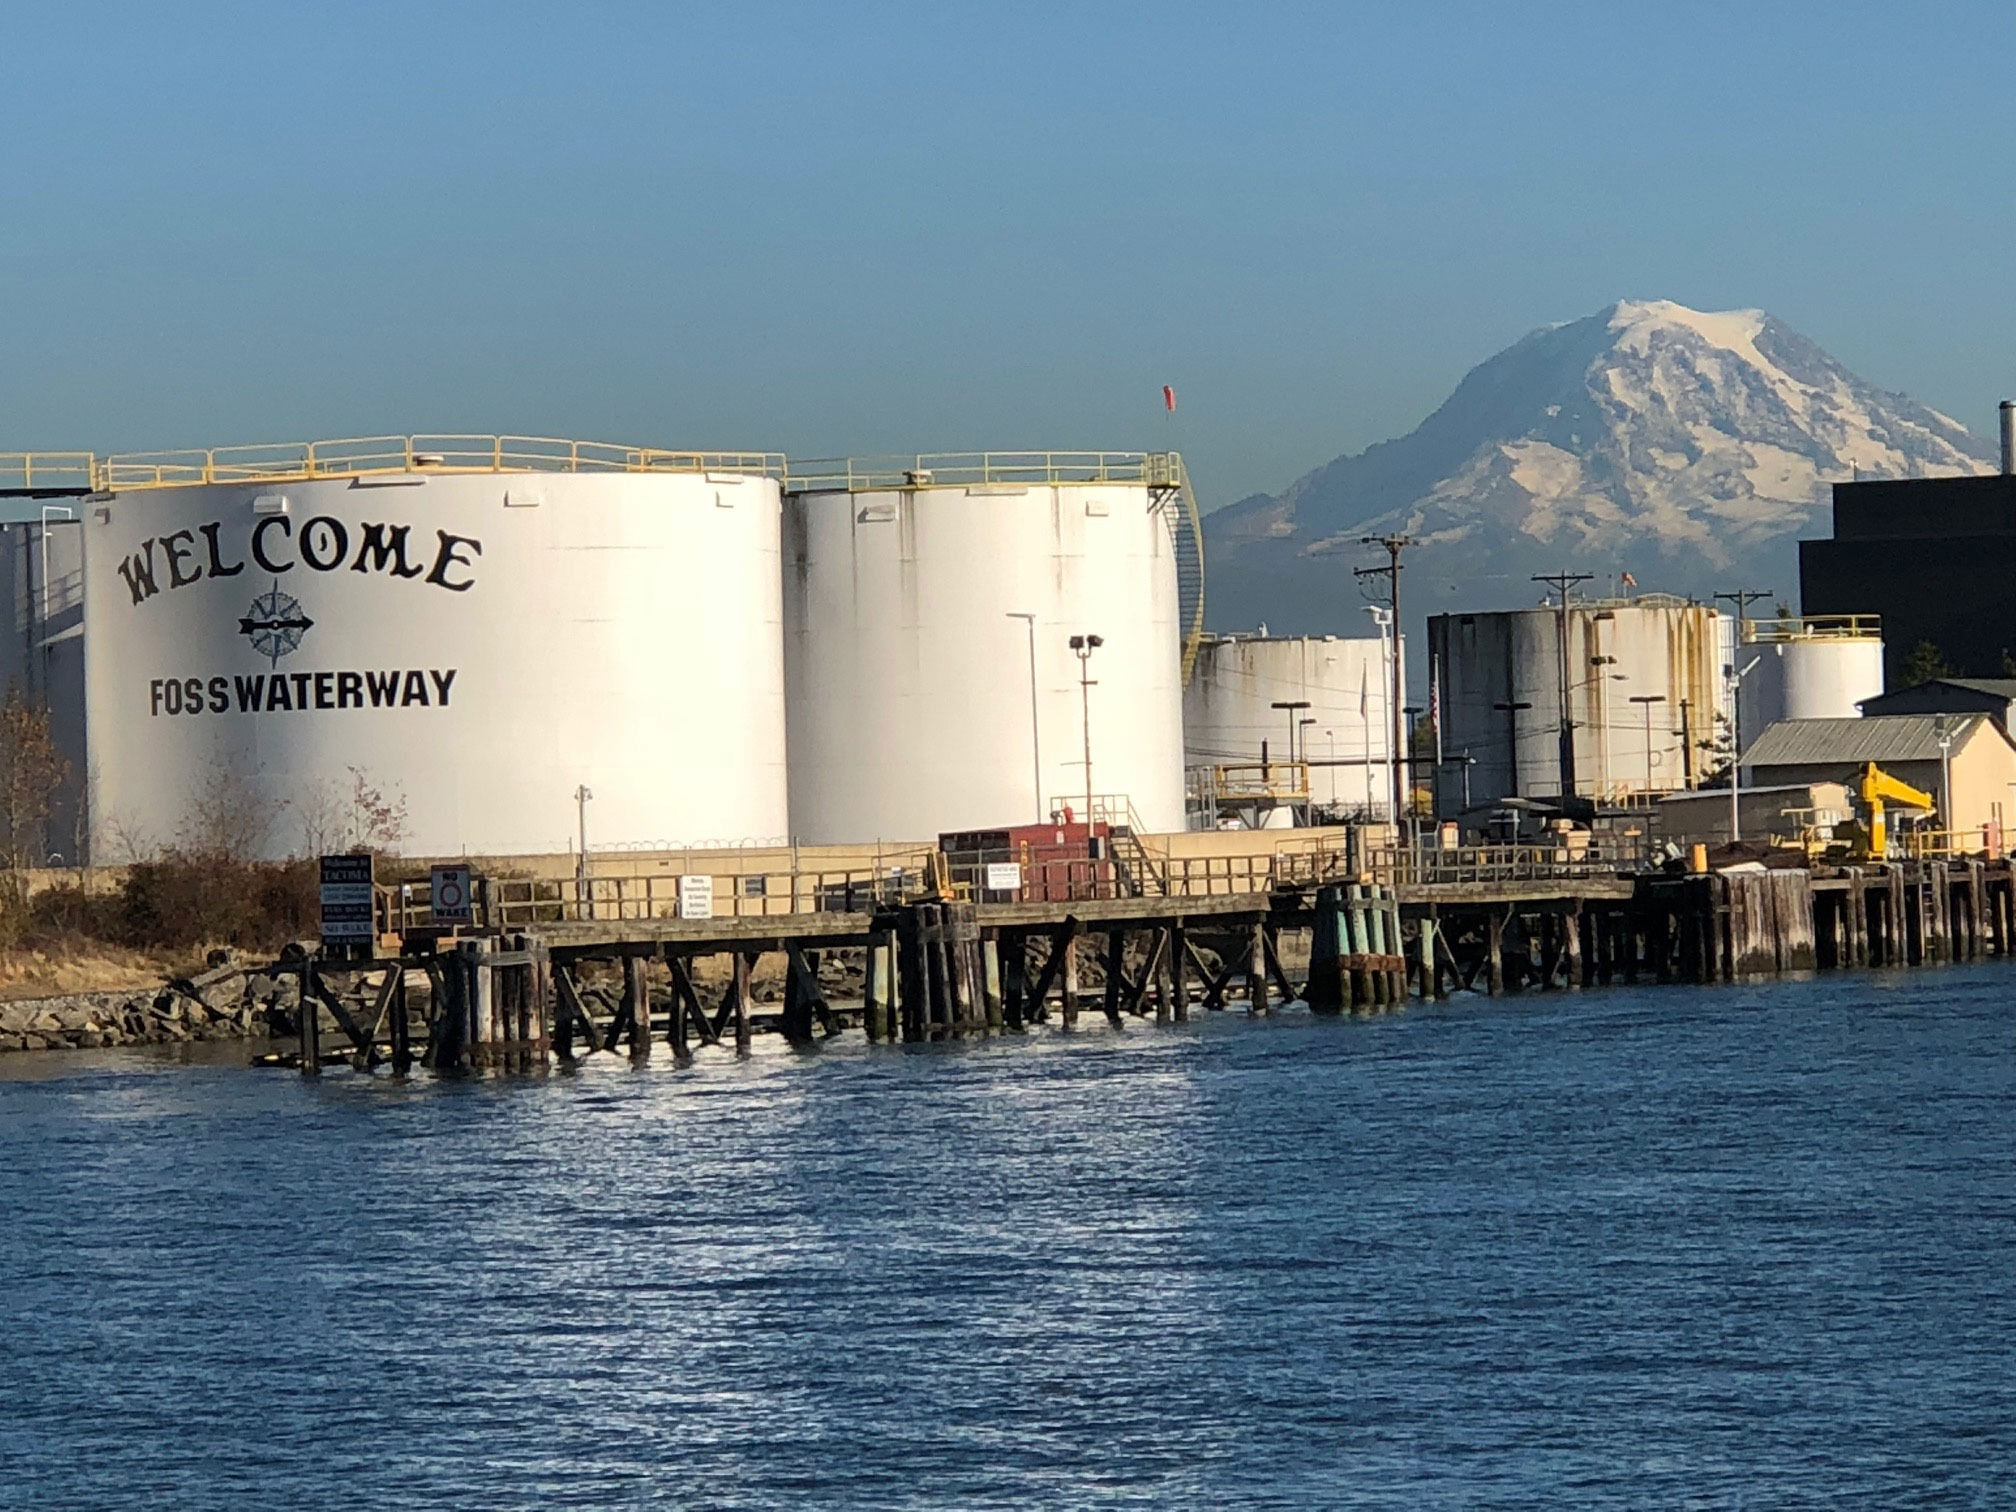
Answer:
(276, 624)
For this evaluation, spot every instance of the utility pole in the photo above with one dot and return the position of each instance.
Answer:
(1564, 583)
(581, 796)
(1394, 545)
(1743, 598)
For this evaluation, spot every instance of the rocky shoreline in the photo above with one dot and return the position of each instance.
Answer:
(227, 1002)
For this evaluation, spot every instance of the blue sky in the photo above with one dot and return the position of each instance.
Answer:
(878, 227)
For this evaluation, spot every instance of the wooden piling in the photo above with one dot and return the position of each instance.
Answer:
(991, 996)
(637, 1007)
(310, 1022)
(1013, 948)
(1068, 991)
(795, 1023)
(1116, 981)
(1431, 965)
(740, 965)
(878, 988)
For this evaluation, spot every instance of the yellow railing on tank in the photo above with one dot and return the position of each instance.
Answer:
(995, 469)
(1814, 627)
(364, 456)
(24, 472)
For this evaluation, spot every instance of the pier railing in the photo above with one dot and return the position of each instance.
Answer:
(528, 902)
(1507, 863)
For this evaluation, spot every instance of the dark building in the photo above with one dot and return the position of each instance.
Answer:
(1935, 557)
(1950, 695)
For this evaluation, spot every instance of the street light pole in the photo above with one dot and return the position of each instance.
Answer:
(1645, 701)
(1397, 759)
(1291, 707)
(1944, 732)
(1085, 645)
(1035, 742)
(1736, 745)
(1383, 618)
(581, 796)
(1308, 784)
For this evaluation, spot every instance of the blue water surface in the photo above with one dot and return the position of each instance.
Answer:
(1661, 1247)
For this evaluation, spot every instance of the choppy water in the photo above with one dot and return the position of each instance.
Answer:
(1740, 1247)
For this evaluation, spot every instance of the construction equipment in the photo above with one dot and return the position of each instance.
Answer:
(1878, 789)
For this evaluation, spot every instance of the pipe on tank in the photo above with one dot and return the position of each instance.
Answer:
(2008, 436)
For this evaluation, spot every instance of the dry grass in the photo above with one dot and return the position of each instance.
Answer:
(56, 968)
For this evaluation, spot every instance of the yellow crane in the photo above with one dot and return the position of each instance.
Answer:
(1878, 789)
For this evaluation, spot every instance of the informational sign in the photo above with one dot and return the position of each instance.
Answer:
(696, 897)
(1004, 876)
(346, 900)
(451, 895)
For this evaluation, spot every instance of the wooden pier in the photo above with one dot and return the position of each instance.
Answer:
(558, 982)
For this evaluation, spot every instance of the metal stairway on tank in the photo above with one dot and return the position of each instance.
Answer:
(1140, 873)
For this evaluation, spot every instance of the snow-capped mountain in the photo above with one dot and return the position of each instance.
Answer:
(1689, 449)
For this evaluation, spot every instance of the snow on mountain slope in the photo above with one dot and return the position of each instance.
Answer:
(1687, 447)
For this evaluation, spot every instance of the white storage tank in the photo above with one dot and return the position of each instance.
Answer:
(1652, 664)
(1820, 667)
(1345, 733)
(929, 606)
(474, 627)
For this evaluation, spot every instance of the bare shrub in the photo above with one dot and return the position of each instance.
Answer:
(227, 818)
(31, 771)
(181, 901)
(344, 818)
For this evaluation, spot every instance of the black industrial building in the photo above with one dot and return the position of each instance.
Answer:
(1935, 557)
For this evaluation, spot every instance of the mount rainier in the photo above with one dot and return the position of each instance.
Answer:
(1687, 448)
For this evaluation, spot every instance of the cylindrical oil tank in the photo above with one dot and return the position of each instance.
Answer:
(1345, 732)
(1816, 668)
(1645, 705)
(929, 610)
(42, 658)
(476, 643)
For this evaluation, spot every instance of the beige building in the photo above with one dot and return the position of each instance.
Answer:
(1978, 752)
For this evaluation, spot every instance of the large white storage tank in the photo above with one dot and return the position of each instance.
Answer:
(1816, 668)
(929, 605)
(476, 627)
(1631, 667)
(1345, 733)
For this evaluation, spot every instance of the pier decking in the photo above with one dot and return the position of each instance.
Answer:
(515, 992)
